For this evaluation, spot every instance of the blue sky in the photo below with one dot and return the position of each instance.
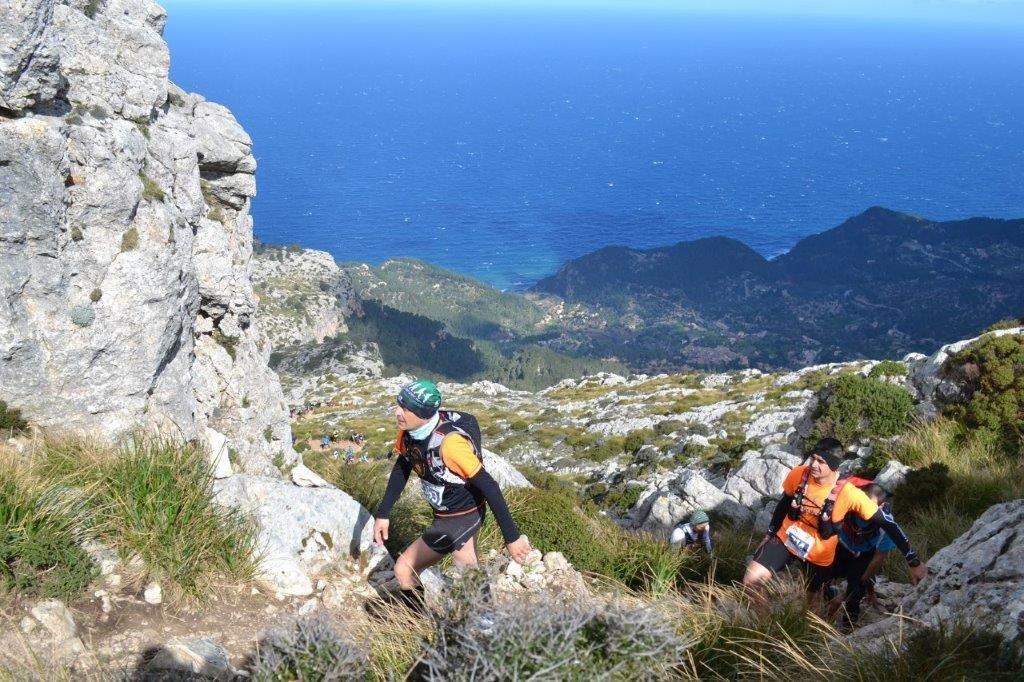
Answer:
(998, 11)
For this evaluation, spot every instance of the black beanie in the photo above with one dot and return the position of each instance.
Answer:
(830, 450)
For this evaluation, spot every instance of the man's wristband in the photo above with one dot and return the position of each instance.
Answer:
(913, 560)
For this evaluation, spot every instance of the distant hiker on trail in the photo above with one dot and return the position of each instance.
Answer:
(444, 448)
(695, 533)
(863, 547)
(325, 440)
(804, 527)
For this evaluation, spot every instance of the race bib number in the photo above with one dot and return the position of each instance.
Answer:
(433, 492)
(799, 541)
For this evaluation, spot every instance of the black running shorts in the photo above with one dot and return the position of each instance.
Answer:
(451, 533)
(774, 556)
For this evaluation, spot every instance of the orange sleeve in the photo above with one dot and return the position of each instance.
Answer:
(856, 501)
(399, 446)
(792, 481)
(457, 453)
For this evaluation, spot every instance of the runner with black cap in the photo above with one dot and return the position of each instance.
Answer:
(804, 528)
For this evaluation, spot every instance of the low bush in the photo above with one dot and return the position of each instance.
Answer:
(551, 637)
(951, 652)
(153, 499)
(991, 372)
(130, 240)
(41, 530)
(923, 486)
(635, 440)
(1007, 323)
(11, 421)
(670, 426)
(311, 648)
(956, 479)
(888, 368)
(855, 407)
(150, 188)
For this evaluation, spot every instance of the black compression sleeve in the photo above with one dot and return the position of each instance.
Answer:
(396, 484)
(886, 521)
(779, 514)
(487, 486)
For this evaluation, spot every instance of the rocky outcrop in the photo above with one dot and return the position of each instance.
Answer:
(304, 295)
(125, 238)
(301, 529)
(978, 578)
(927, 379)
(502, 471)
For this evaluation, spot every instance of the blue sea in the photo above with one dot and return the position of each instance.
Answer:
(502, 143)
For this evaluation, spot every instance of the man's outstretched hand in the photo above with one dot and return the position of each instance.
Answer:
(518, 549)
(380, 531)
(918, 573)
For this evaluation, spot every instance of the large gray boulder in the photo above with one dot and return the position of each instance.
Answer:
(506, 475)
(978, 578)
(125, 238)
(301, 530)
(760, 475)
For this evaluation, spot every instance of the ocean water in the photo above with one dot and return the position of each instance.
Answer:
(502, 143)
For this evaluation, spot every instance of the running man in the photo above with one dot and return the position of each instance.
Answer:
(803, 529)
(443, 448)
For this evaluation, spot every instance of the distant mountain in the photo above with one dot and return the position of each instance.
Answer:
(881, 284)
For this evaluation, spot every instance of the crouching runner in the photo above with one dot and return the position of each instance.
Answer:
(804, 527)
(443, 448)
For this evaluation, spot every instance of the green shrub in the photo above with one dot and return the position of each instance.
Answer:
(95, 295)
(545, 637)
(951, 652)
(41, 531)
(602, 449)
(992, 374)
(11, 421)
(228, 343)
(1007, 323)
(669, 426)
(76, 234)
(926, 485)
(91, 7)
(268, 434)
(150, 189)
(312, 648)
(635, 440)
(519, 425)
(855, 407)
(153, 499)
(888, 368)
(130, 240)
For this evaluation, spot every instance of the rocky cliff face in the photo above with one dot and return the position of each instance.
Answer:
(125, 237)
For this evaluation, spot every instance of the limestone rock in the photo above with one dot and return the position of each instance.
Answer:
(760, 476)
(125, 238)
(153, 593)
(892, 475)
(979, 578)
(220, 459)
(307, 478)
(300, 530)
(191, 656)
(506, 475)
(56, 618)
(926, 375)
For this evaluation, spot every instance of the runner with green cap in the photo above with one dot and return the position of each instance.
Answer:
(443, 448)
(697, 531)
